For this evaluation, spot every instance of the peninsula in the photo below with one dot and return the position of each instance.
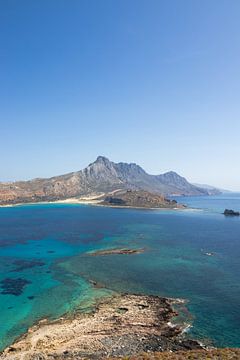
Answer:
(140, 199)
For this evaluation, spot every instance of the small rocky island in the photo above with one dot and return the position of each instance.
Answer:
(139, 199)
(116, 252)
(228, 212)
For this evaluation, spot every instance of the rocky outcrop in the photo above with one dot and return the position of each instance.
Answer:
(102, 176)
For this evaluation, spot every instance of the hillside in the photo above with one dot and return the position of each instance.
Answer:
(101, 176)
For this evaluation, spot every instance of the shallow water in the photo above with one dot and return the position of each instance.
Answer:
(42, 252)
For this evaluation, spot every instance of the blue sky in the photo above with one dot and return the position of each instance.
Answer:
(156, 82)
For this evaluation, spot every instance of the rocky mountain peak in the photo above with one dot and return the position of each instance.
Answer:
(102, 159)
(100, 163)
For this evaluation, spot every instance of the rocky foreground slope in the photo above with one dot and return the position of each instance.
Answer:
(100, 177)
(210, 354)
(122, 325)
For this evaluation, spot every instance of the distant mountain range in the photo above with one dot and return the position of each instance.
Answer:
(214, 190)
(100, 177)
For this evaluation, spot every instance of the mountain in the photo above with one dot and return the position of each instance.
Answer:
(101, 176)
(178, 185)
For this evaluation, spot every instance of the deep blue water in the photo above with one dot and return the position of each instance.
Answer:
(216, 203)
(44, 269)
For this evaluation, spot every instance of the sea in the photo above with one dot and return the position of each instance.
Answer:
(46, 270)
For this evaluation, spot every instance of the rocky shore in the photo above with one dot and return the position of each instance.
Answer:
(122, 325)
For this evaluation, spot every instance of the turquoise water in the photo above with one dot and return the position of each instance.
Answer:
(44, 269)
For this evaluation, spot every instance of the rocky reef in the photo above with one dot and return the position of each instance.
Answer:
(11, 286)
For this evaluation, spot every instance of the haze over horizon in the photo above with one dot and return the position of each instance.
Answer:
(151, 82)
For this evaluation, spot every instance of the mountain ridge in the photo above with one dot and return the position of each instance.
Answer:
(100, 176)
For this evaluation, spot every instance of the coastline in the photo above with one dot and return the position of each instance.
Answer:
(70, 201)
(122, 212)
(120, 325)
(93, 202)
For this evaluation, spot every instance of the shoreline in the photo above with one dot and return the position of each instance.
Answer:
(70, 201)
(91, 202)
(119, 325)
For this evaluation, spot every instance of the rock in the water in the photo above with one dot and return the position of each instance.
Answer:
(229, 212)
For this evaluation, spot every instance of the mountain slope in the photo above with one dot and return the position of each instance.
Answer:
(177, 183)
(101, 176)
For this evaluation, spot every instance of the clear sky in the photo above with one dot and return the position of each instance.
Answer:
(156, 82)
